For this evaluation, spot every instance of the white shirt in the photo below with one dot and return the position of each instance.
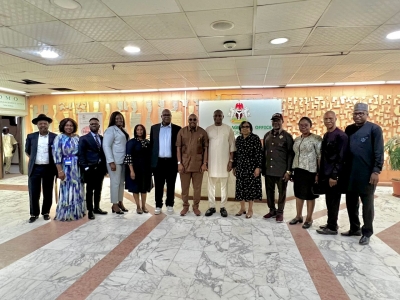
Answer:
(42, 155)
(8, 143)
(221, 141)
(165, 141)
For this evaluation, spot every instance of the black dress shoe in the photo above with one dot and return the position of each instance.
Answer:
(307, 225)
(364, 240)
(118, 212)
(223, 212)
(351, 233)
(46, 217)
(295, 221)
(33, 219)
(99, 211)
(91, 215)
(326, 225)
(122, 207)
(210, 211)
(327, 231)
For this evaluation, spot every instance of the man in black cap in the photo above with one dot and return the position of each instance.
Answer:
(363, 164)
(277, 165)
(41, 167)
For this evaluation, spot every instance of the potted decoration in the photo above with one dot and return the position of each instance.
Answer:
(392, 147)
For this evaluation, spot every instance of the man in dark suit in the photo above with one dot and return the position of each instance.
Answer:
(41, 167)
(92, 162)
(163, 160)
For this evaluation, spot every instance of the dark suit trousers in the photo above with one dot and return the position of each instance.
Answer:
(41, 178)
(165, 172)
(332, 200)
(270, 182)
(353, 204)
(94, 184)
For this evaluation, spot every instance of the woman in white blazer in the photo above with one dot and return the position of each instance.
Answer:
(114, 146)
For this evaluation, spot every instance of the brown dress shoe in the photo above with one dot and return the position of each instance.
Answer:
(196, 211)
(184, 211)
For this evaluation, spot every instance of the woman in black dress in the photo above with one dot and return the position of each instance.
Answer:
(138, 174)
(247, 168)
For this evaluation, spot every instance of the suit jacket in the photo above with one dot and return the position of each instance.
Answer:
(155, 143)
(31, 146)
(90, 155)
(114, 145)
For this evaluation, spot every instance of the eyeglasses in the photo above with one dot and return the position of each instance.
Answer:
(245, 126)
(360, 114)
(93, 124)
(192, 120)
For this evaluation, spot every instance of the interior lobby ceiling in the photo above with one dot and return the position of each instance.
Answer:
(329, 41)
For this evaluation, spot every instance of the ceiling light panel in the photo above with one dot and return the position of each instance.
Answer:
(11, 38)
(89, 9)
(118, 47)
(163, 26)
(241, 17)
(52, 33)
(16, 12)
(140, 7)
(212, 44)
(194, 5)
(38, 50)
(281, 16)
(177, 46)
(296, 38)
(104, 29)
(359, 12)
(338, 35)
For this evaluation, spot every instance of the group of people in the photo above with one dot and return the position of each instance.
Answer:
(341, 162)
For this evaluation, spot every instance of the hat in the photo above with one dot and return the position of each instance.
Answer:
(41, 117)
(361, 106)
(277, 116)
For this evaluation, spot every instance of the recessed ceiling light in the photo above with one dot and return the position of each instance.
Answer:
(48, 54)
(393, 35)
(67, 4)
(132, 49)
(222, 25)
(279, 41)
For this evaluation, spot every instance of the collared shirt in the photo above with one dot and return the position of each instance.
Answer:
(192, 144)
(278, 153)
(333, 151)
(42, 154)
(307, 151)
(8, 143)
(165, 141)
(96, 137)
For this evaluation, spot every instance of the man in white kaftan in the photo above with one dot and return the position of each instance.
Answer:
(220, 159)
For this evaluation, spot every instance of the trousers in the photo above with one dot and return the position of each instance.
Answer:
(353, 205)
(270, 182)
(196, 178)
(212, 181)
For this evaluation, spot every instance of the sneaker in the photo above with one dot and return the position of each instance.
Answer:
(279, 218)
(223, 212)
(157, 211)
(210, 211)
(271, 214)
(170, 210)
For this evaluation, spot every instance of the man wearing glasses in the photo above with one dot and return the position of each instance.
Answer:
(163, 160)
(192, 145)
(364, 164)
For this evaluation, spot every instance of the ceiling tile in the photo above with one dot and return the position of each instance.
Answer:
(379, 35)
(348, 68)
(86, 50)
(110, 60)
(145, 47)
(20, 54)
(162, 26)
(268, 2)
(225, 78)
(16, 12)
(252, 62)
(338, 35)
(233, 53)
(361, 58)
(283, 62)
(140, 7)
(241, 17)
(11, 38)
(278, 51)
(177, 46)
(296, 38)
(195, 5)
(219, 64)
(36, 52)
(214, 44)
(185, 66)
(252, 71)
(89, 9)
(359, 12)
(292, 15)
(322, 60)
(334, 49)
(187, 56)
(389, 58)
(52, 33)
(229, 72)
(72, 61)
(104, 29)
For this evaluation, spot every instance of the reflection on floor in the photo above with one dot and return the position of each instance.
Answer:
(171, 257)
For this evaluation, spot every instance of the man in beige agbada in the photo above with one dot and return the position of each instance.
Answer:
(220, 158)
(9, 147)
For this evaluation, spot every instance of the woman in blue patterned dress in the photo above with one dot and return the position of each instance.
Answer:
(71, 204)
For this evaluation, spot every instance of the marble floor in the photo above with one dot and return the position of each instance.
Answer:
(170, 257)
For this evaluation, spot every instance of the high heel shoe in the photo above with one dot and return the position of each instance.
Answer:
(249, 214)
(120, 212)
(295, 221)
(241, 212)
(122, 207)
